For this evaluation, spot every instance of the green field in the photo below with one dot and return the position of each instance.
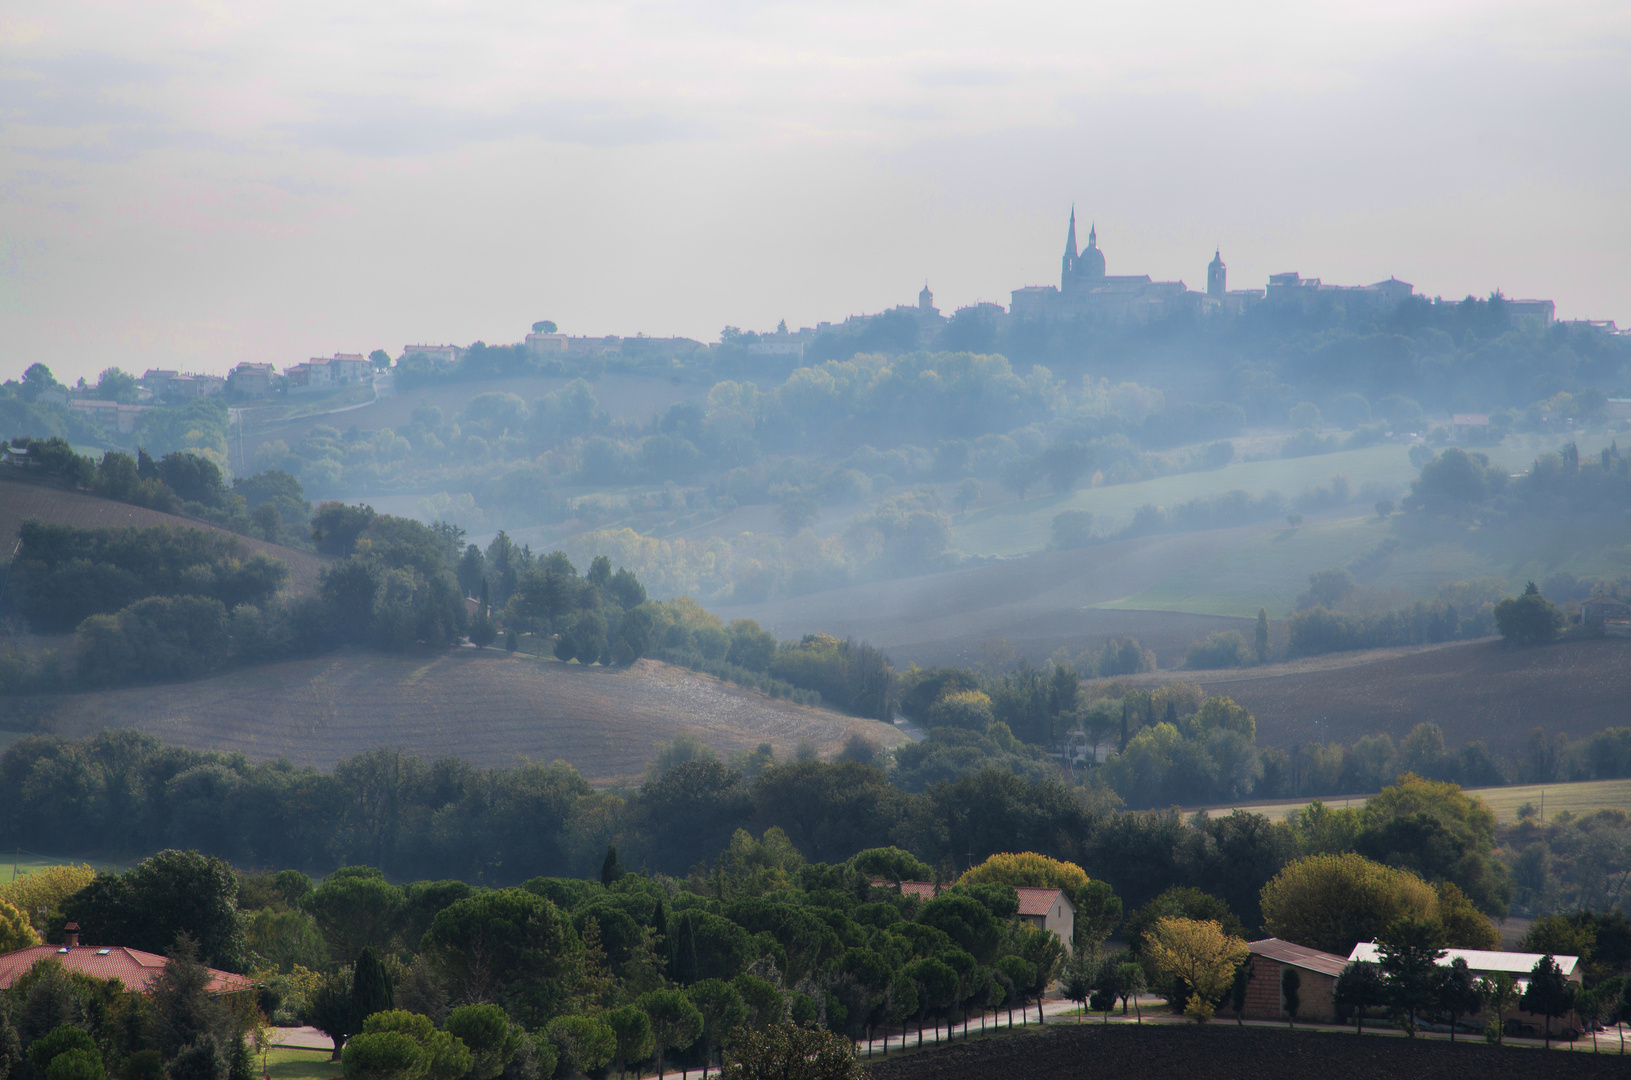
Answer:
(283, 1063)
(1015, 528)
(17, 864)
(1580, 798)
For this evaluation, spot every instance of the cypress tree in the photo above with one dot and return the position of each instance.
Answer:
(610, 871)
(371, 990)
(1262, 636)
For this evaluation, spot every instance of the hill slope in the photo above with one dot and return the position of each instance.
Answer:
(488, 707)
(20, 501)
(1473, 690)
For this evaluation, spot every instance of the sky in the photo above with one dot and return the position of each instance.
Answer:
(197, 184)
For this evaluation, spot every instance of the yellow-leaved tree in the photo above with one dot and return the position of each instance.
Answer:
(1199, 953)
(1098, 909)
(1333, 902)
(16, 932)
(41, 892)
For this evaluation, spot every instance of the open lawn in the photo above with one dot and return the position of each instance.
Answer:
(20, 502)
(20, 864)
(485, 706)
(286, 1063)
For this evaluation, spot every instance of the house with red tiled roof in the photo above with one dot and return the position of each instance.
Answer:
(136, 969)
(1045, 909)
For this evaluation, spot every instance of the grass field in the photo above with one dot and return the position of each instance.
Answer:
(287, 1063)
(1577, 798)
(20, 864)
(485, 706)
(19, 502)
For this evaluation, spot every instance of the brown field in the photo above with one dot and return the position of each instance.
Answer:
(1473, 690)
(1223, 1051)
(488, 707)
(1039, 603)
(20, 501)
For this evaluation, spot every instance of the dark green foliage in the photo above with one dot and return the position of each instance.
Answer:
(201, 1060)
(59, 1041)
(76, 1065)
(1530, 619)
(487, 1032)
(160, 900)
(1409, 951)
(1182, 902)
(371, 990)
(11, 1047)
(1549, 993)
(329, 1010)
(1360, 987)
(1290, 984)
(64, 574)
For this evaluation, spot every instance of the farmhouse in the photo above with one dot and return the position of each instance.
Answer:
(1607, 615)
(1317, 974)
(1045, 909)
(137, 970)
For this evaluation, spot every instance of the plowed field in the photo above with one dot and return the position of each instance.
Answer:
(1222, 1051)
(485, 706)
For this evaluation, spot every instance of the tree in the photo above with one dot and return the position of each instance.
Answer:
(184, 1010)
(1498, 993)
(329, 1010)
(586, 1044)
(446, 1056)
(1261, 642)
(508, 944)
(1237, 990)
(1530, 619)
(371, 990)
(11, 1047)
(1591, 1005)
(384, 1055)
(610, 871)
(76, 1065)
(937, 987)
(722, 1012)
(1333, 902)
(1360, 987)
(356, 909)
(1200, 954)
(1457, 994)
(1077, 983)
(62, 1039)
(488, 1034)
(162, 897)
(1408, 952)
(675, 1022)
(789, 1052)
(116, 385)
(201, 1060)
(16, 932)
(632, 1029)
(1549, 993)
(1130, 983)
(1291, 982)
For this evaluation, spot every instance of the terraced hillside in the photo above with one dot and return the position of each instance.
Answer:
(485, 706)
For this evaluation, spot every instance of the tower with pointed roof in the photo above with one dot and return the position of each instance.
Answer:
(1067, 265)
(1217, 276)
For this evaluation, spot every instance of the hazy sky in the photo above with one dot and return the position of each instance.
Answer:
(197, 184)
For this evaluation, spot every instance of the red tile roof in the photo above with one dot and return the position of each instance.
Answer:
(136, 969)
(1033, 901)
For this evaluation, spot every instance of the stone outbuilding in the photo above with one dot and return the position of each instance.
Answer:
(1317, 973)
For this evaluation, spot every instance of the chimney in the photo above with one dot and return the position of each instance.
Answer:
(70, 935)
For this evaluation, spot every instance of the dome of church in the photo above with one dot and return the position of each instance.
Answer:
(1090, 263)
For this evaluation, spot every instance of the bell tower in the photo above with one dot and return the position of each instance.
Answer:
(1217, 276)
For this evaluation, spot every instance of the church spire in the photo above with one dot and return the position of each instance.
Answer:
(1092, 236)
(1070, 238)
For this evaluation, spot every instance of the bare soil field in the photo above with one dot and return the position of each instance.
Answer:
(488, 707)
(21, 501)
(1473, 690)
(1222, 1051)
(1039, 603)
